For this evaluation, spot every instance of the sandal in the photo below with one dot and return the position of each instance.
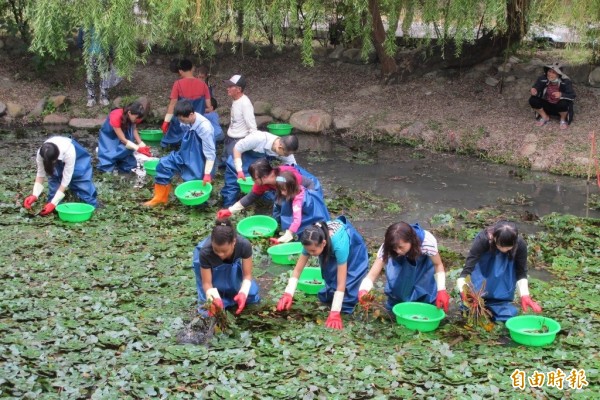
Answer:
(541, 122)
(564, 125)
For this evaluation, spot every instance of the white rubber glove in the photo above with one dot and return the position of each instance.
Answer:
(237, 207)
(57, 197)
(287, 236)
(460, 283)
(523, 287)
(239, 166)
(168, 117)
(212, 294)
(246, 283)
(208, 166)
(38, 188)
(291, 286)
(131, 146)
(440, 280)
(338, 300)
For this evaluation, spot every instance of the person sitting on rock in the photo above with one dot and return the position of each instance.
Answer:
(553, 94)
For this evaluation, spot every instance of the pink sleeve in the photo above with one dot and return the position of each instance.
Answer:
(297, 211)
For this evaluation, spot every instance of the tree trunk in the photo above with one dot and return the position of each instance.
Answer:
(389, 69)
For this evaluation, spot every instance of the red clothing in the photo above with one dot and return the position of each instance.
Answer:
(550, 90)
(259, 190)
(190, 88)
(115, 117)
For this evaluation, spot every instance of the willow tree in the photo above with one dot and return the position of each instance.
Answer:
(459, 31)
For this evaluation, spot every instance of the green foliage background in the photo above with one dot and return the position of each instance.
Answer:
(91, 310)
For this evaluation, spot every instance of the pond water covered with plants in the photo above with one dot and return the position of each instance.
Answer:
(93, 310)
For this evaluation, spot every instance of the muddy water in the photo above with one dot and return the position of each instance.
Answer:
(425, 184)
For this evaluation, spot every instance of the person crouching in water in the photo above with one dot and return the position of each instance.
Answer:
(195, 158)
(67, 165)
(222, 264)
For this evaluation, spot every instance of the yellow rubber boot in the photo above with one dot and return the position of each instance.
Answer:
(161, 195)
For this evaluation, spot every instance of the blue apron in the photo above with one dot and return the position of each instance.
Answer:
(408, 281)
(188, 161)
(313, 210)
(316, 185)
(358, 266)
(226, 278)
(111, 152)
(498, 271)
(231, 189)
(175, 133)
(81, 182)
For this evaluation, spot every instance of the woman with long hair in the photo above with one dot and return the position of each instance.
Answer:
(67, 165)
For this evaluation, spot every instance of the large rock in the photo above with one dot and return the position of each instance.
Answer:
(263, 120)
(594, 77)
(146, 103)
(14, 110)
(55, 119)
(262, 107)
(337, 53)
(353, 56)
(86, 123)
(344, 121)
(2, 108)
(491, 81)
(281, 113)
(311, 120)
(578, 73)
(38, 110)
(371, 90)
(394, 130)
(57, 101)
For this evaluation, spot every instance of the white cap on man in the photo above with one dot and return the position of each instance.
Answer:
(236, 80)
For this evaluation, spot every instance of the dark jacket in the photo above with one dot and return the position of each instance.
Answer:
(565, 88)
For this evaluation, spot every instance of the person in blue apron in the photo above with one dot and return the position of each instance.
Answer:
(116, 140)
(67, 165)
(222, 265)
(188, 87)
(300, 207)
(212, 115)
(194, 160)
(344, 261)
(413, 268)
(498, 257)
(247, 151)
(264, 176)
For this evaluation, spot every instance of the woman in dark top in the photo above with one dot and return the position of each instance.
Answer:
(498, 256)
(223, 267)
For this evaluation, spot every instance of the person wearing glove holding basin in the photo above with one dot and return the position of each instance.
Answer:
(188, 87)
(115, 143)
(67, 165)
(413, 268)
(344, 261)
(195, 158)
(264, 176)
(498, 257)
(248, 150)
(300, 207)
(222, 264)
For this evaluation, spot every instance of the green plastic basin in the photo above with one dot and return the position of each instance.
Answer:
(280, 129)
(306, 282)
(529, 330)
(75, 212)
(150, 167)
(285, 253)
(192, 193)
(421, 317)
(151, 135)
(245, 185)
(257, 226)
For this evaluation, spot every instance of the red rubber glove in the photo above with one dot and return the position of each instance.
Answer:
(285, 302)
(29, 200)
(217, 304)
(273, 240)
(223, 214)
(145, 151)
(442, 300)
(241, 175)
(527, 302)
(207, 179)
(48, 208)
(240, 299)
(334, 321)
(165, 127)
